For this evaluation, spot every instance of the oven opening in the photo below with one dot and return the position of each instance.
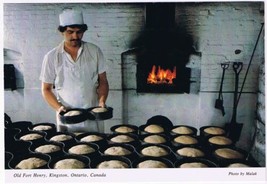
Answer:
(162, 73)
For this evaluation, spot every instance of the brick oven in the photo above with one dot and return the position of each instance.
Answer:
(162, 52)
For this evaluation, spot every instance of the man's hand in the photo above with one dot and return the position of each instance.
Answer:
(61, 109)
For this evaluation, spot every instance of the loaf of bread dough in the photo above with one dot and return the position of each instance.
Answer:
(31, 136)
(154, 151)
(220, 140)
(154, 139)
(61, 137)
(31, 163)
(229, 153)
(81, 149)
(182, 130)
(152, 164)
(48, 148)
(91, 138)
(154, 129)
(99, 109)
(185, 139)
(122, 139)
(190, 152)
(112, 164)
(42, 127)
(214, 130)
(193, 165)
(72, 113)
(69, 163)
(124, 129)
(117, 151)
(238, 165)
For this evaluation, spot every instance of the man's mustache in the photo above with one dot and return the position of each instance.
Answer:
(75, 40)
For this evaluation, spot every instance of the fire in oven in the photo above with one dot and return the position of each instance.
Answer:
(162, 73)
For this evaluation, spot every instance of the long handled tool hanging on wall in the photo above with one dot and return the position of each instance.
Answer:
(250, 61)
(219, 100)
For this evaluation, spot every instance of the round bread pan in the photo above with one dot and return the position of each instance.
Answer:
(205, 161)
(92, 155)
(99, 115)
(167, 139)
(81, 158)
(100, 143)
(8, 158)
(204, 134)
(249, 163)
(211, 146)
(17, 159)
(226, 161)
(163, 121)
(67, 143)
(129, 147)
(94, 163)
(18, 147)
(194, 130)
(178, 156)
(73, 119)
(52, 130)
(142, 130)
(21, 125)
(34, 141)
(168, 163)
(134, 143)
(177, 144)
(114, 128)
(10, 134)
(52, 154)
(170, 156)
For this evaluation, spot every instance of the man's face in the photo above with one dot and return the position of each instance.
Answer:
(73, 36)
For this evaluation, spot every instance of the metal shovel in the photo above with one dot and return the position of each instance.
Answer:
(233, 128)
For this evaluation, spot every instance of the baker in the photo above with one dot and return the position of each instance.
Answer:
(77, 71)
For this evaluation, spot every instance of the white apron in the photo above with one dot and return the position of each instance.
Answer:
(76, 89)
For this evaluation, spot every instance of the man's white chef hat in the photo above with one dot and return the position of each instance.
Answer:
(70, 17)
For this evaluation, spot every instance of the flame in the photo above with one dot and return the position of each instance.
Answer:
(161, 76)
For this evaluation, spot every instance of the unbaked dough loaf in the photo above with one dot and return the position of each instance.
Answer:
(48, 148)
(117, 151)
(154, 151)
(31, 136)
(122, 139)
(31, 163)
(193, 165)
(112, 164)
(185, 139)
(229, 153)
(220, 140)
(100, 109)
(238, 165)
(91, 138)
(69, 163)
(190, 152)
(152, 164)
(182, 130)
(42, 127)
(72, 113)
(81, 149)
(61, 137)
(214, 131)
(124, 129)
(154, 139)
(154, 129)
